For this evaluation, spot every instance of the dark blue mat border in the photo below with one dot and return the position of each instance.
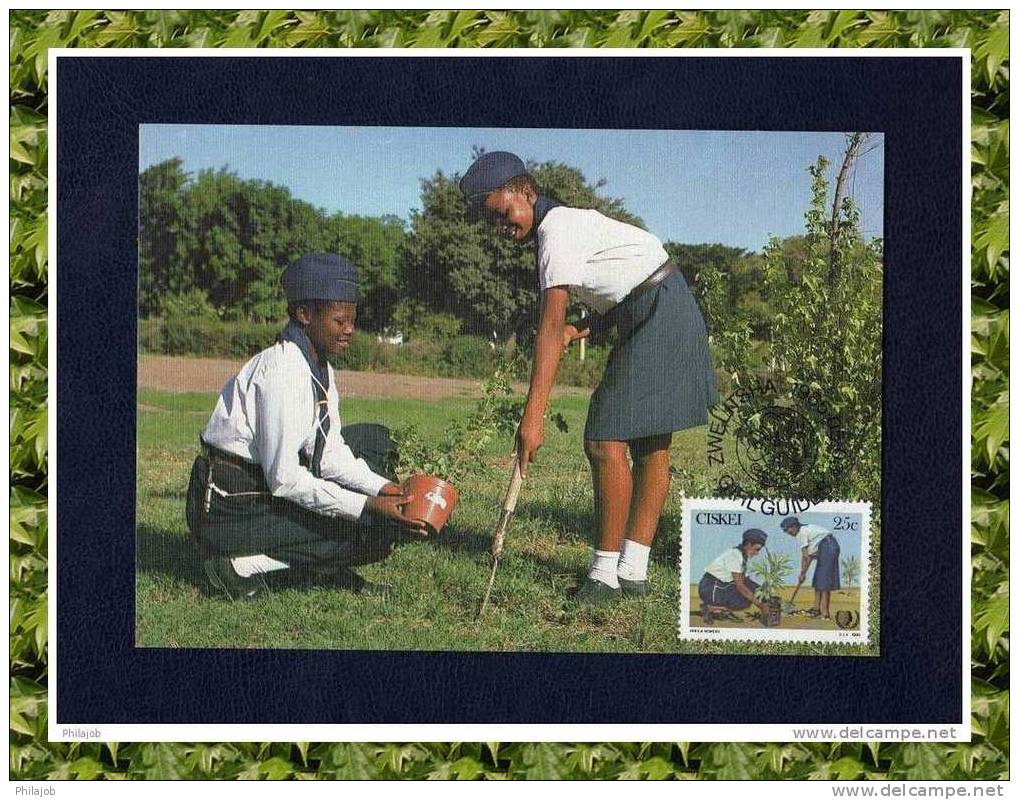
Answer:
(915, 102)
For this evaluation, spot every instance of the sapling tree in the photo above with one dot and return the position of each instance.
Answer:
(851, 570)
(824, 355)
(772, 573)
(460, 450)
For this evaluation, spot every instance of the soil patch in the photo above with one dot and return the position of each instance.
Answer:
(181, 374)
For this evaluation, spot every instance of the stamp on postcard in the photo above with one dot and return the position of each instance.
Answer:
(779, 570)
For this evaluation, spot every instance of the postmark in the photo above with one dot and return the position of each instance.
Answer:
(765, 438)
(775, 570)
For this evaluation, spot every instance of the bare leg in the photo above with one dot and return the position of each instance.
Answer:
(613, 487)
(826, 603)
(650, 487)
(817, 601)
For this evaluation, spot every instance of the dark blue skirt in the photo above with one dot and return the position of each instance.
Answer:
(714, 592)
(826, 571)
(659, 377)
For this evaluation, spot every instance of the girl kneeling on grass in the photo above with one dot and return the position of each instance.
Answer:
(725, 586)
(281, 486)
(659, 376)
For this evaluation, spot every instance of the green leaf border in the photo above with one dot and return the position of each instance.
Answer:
(34, 32)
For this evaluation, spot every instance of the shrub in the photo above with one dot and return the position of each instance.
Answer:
(460, 450)
(366, 354)
(150, 335)
(194, 304)
(469, 356)
(416, 321)
(574, 372)
(180, 335)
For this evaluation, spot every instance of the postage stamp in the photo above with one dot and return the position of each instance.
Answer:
(775, 571)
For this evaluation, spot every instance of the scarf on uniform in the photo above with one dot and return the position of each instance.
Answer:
(319, 384)
(743, 553)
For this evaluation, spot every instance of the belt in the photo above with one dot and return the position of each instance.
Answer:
(217, 456)
(600, 323)
(652, 281)
(250, 470)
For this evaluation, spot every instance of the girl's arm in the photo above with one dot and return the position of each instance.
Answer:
(804, 563)
(744, 590)
(548, 349)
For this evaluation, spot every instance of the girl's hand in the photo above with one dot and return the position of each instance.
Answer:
(571, 334)
(803, 576)
(391, 490)
(391, 508)
(530, 437)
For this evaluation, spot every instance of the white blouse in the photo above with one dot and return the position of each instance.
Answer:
(810, 536)
(730, 561)
(599, 259)
(267, 415)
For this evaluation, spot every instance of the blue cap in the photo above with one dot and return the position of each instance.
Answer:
(788, 522)
(754, 536)
(320, 276)
(488, 172)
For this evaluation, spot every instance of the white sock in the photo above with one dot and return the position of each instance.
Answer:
(604, 568)
(633, 561)
(246, 566)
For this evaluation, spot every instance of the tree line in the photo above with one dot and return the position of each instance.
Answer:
(213, 245)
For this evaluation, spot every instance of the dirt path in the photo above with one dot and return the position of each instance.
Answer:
(180, 374)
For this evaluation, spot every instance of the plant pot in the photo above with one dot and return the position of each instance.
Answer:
(434, 500)
(771, 614)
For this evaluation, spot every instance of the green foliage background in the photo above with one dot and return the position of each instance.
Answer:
(34, 32)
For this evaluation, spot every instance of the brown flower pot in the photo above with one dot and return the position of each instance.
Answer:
(434, 500)
(771, 614)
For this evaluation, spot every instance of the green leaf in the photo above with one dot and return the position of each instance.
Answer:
(847, 769)
(657, 769)
(880, 31)
(500, 30)
(466, 769)
(730, 761)
(162, 761)
(692, 31)
(276, 769)
(991, 427)
(991, 235)
(19, 724)
(541, 761)
(993, 50)
(86, 769)
(915, 761)
(991, 617)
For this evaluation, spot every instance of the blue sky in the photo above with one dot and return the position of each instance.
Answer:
(708, 541)
(732, 187)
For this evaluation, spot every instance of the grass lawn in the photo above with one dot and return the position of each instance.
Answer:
(437, 584)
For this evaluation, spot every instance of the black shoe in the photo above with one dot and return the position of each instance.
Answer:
(224, 578)
(350, 581)
(596, 593)
(635, 588)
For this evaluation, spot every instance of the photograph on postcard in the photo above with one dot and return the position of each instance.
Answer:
(422, 388)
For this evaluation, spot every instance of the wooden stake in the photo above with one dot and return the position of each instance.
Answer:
(509, 505)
